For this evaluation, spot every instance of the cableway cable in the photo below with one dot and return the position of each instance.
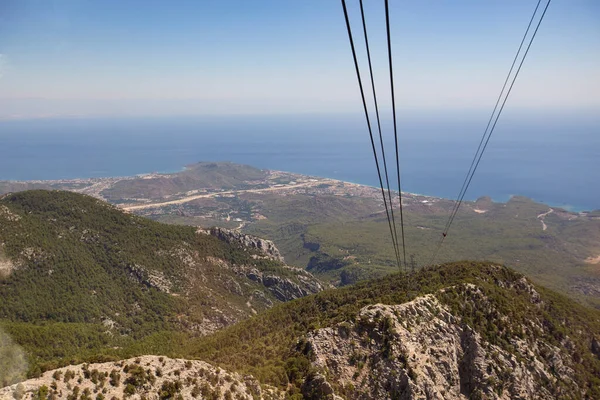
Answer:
(362, 93)
(389, 46)
(463, 189)
(385, 169)
(487, 135)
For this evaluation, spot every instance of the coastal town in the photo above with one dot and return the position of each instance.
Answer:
(159, 195)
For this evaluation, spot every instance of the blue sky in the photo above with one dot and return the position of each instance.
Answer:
(89, 57)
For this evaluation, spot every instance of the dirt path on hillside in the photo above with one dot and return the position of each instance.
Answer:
(542, 216)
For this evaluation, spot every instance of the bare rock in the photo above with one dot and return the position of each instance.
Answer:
(142, 377)
(6, 265)
(596, 347)
(8, 215)
(150, 278)
(265, 247)
(316, 387)
(285, 288)
(419, 349)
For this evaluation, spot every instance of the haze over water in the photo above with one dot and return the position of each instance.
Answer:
(547, 158)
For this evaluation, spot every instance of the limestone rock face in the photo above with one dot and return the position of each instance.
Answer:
(298, 284)
(147, 377)
(419, 350)
(316, 387)
(6, 266)
(266, 247)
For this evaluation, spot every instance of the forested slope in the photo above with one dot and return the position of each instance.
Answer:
(73, 267)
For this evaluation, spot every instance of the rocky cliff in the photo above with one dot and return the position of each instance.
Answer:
(421, 350)
(285, 284)
(265, 247)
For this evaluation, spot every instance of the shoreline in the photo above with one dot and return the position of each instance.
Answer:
(95, 180)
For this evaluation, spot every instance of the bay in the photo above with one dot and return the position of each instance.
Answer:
(553, 159)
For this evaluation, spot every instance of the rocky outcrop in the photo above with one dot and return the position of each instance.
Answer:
(596, 347)
(298, 283)
(522, 286)
(8, 215)
(316, 387)
(149, 278)
(263, 246)
(421, 350)
(292, 284)
(150, 377)
(284, 289)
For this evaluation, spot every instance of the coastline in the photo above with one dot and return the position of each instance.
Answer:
(95, 181)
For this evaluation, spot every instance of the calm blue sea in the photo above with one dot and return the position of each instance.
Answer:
(550, 158)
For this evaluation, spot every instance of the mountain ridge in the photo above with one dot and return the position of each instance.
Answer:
(72, 260)
(512, 300)
(457, 331)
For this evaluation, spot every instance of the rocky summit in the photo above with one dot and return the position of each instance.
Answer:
(456, 331)
(421, 350)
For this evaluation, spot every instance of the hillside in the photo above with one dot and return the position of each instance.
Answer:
(73, 268)
(205, 175)
(457, 331)
(474, 321)
(338, 230)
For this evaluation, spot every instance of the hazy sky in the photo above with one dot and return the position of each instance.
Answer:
(124, 57)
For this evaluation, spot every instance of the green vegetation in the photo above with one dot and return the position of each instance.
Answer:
(270, 345)
(322, 262)
(290, 218)
(81, 257)
(352, 227)
(84, 267)
(221, 175)
(349, 225)
(507, 233)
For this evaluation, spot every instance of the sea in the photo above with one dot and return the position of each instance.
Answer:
(550, 157)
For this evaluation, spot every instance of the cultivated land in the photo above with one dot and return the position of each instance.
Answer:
(338, 230)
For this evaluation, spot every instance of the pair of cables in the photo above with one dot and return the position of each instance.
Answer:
(520, 57)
